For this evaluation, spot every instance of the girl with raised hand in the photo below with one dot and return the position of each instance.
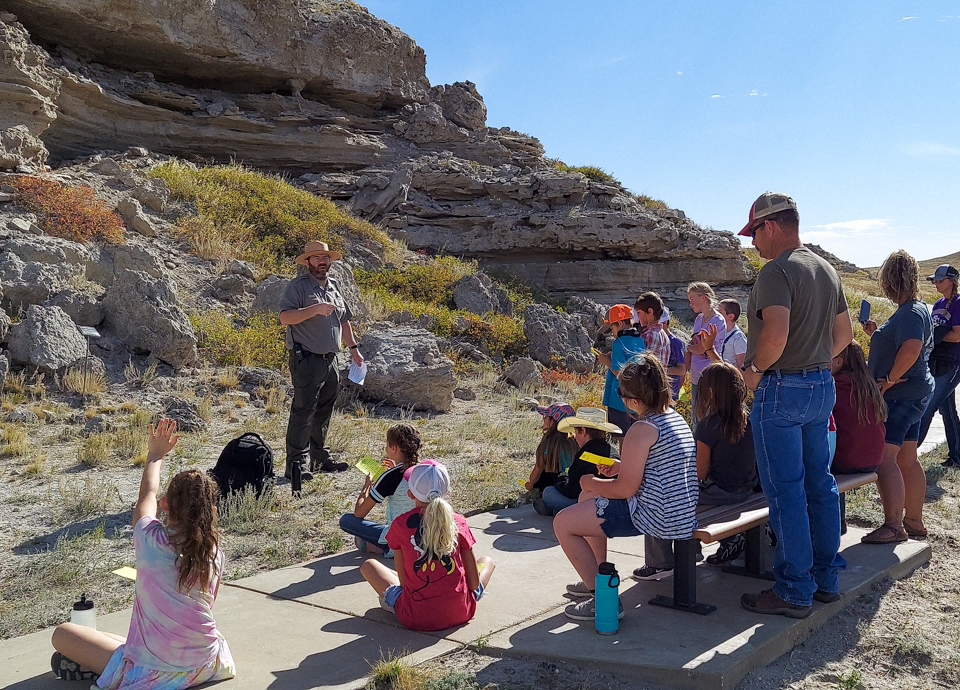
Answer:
(655, 491)
(403, 452)
(173, 641)
(438, 580)
(556, 450)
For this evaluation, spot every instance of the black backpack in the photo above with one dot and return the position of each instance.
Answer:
(246, 461)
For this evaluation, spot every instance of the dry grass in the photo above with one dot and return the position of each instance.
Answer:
(72, 381)
(226, 378)
(274, 400)
(16, 383)
(140, 378)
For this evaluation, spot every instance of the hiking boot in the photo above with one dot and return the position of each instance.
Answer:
(730, 549)
(331, 466)
(769, 603)
(65, 669)
(648, 573)
(579, 590)
(826, 597)
(586, 610)
(542, 508)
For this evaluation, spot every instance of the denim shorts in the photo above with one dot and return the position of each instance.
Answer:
(617, 521)
(390, 595)
(903, 420)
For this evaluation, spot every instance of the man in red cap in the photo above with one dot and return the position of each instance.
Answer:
(798, 321)
(318, 325)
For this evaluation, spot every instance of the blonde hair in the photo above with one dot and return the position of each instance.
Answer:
(439, 529)
(899, 277)
(702, 288)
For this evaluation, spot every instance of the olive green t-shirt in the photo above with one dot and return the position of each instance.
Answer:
(810, 288)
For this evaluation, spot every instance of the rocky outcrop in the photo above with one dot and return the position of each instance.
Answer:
(557, 339)
(478, 294)
(145, 313)
(522, 372)
(47, 339)
(407, 369)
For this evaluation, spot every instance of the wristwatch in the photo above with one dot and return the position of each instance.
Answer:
(355, 347)
(753, 367)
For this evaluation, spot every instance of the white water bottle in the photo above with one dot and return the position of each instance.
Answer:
(84, 612)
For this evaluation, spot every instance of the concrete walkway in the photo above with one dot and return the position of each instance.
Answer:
(318, 624)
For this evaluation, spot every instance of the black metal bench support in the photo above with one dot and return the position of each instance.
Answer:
(754, 556)
(684, 580)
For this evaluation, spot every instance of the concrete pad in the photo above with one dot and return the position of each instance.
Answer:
(685, 650)
(277, 644)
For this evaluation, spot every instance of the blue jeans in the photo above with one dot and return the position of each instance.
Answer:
(789, 418)
(944, 402)
(556, 500)
(367, 530)
(903, 420)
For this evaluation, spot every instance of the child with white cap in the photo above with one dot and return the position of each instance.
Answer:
(438, 580)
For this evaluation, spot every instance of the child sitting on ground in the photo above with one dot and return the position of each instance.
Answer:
(556, 450)
(173, 641)
(726, 463)
(403, 452)
(438, 580)
(590, 430)
(859, 415)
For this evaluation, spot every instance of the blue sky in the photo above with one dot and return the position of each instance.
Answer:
(850, 107)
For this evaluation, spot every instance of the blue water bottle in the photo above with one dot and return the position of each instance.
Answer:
(607, 602)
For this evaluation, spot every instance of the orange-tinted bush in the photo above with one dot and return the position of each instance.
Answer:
(73, 213)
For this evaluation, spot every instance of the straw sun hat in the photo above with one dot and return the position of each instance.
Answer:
(589, 417)
(313, 249)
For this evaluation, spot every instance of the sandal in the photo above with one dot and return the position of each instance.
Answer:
(885, 534)
(913, 532)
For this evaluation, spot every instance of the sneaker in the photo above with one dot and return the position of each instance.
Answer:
(826, 597)
(648, 573)
(730, 549)
(65, 669)
(769, 603)
(586, 610)
(578, 589)
(542, 508)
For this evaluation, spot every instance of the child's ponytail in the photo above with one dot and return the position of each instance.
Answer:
(439, 528)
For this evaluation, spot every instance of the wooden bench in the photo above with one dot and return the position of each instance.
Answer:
(719, 522)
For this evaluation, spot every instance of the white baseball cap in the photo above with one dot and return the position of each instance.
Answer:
(428, 482)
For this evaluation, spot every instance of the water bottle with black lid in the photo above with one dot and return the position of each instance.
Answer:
(84, 612)
(607, 599)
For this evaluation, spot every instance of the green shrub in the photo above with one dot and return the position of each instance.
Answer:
(590, 171)
(650, 202)
(256, 342)
(430, 282)
(258, 217)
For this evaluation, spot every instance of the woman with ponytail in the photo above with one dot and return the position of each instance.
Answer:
(438, 580)
(173, 642)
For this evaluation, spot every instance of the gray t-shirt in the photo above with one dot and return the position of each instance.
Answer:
(318, 334)
(911, 321)
(810, 288)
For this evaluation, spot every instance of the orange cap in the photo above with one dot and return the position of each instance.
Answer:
(619, 312)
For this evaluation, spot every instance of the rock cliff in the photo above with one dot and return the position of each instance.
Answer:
(325, 91)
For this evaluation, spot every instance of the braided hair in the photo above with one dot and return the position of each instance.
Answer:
(407, 439)
(194, 534)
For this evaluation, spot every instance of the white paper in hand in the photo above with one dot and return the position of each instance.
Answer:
(358, 374)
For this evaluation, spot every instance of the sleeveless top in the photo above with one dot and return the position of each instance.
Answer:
(665, 505)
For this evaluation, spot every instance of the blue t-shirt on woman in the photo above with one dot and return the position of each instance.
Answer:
(911, 321)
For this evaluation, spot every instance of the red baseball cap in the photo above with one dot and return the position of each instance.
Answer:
(767, 204)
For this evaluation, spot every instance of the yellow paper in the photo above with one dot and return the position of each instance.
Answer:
(127, 572)
(522, 483)
(371, 467)
(596, 459)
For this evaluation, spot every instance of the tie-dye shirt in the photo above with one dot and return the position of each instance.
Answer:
(170, 630)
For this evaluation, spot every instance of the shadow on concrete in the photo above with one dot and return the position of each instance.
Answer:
(115, 525)
(339, 666)
(327, 574)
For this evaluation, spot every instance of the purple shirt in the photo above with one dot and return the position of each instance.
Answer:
(700, 362)
(944, 313)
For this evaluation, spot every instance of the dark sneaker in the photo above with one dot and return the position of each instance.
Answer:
(648, 573)
(542, 508)
(65, 669)
(826, 597)
(332, 466)
(586, 610)
(730, 549)
(579, 590)
(769, 603)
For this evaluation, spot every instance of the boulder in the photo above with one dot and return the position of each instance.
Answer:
(47, 339)
(269, 293)
(24, 225)
(146, 314)
(134, 218)
(406, 369)
(462, 105)
(84, 308)
(240, 268)
(464, 393)
(47, 250)
(4, 370)
(257, 377)
(590, 313)
(32, 282)
(23, 415)
(185, 413)
(557, 339)
(229, 286)
(4, 326)
(479, 294)
(523, 371)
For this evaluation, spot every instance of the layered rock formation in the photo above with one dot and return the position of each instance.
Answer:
(326, 91)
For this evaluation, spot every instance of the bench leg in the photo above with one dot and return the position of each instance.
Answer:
(684, 581)
(754, 556)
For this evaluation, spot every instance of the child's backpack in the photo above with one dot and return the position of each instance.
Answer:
(246, 461)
